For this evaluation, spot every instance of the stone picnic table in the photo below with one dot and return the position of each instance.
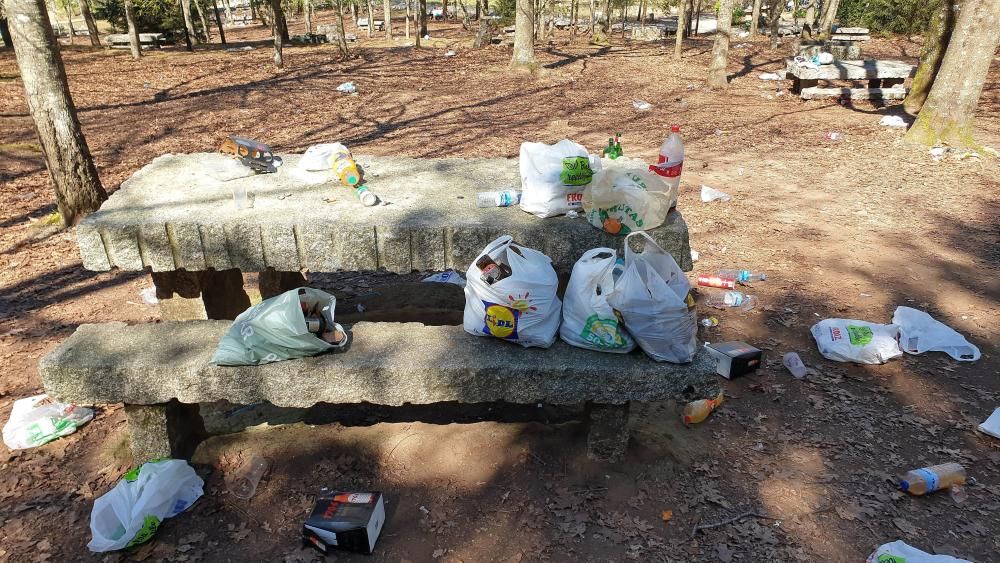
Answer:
(885, 78)
(176, 218)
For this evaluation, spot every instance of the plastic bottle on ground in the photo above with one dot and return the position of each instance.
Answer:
(502, 198)
(719, 281)
(794, 364)
(933, 478)
(367, 197)
(344, 166)
(742, 276)
(731, 300)
(697, 411)
(671, 159)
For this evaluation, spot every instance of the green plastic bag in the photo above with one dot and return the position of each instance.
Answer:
(275, 330)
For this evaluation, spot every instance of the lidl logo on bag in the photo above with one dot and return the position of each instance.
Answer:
(603, 333)
(576, 171)
(835, 334)
(500, 321)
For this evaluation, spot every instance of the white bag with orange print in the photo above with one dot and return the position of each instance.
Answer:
(521, 307)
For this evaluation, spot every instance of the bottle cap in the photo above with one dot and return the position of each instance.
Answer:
(904, 485)
(675, 128)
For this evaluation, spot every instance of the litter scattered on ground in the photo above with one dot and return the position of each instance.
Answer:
(347, 88)
(834, 136)
(696, 412)
(449, 276)
(846, 340)
(958, 494)
(926, 480)
(39, 420)
(899, 552)
(938, 152)
(919, 332)
(991, 426)
(734, 359)
(344, 520)
(237, 49)
(642, 105)
(450, 54)
(148, 295)
(893, 121)
(709, 322)
(711, 194)
(694, 255)
(770, 76)
(572, 214)
(731, 300)
(244, 482)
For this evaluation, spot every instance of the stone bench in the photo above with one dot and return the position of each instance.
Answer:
(161, 372)
(885, 78)
(146, 40)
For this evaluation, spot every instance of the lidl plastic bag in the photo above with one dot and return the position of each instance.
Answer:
(320, 157)
(130, 513)
(589, 321)
(553, 177)
(275, 330)
(652, 298)
(899, 552)
(920, 332)
(627, 197)
(39, 420)
(521, 307)
(846, 340)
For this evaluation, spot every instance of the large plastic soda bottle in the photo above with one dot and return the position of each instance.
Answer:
(344, 166)
(671, 159)
(933, 478)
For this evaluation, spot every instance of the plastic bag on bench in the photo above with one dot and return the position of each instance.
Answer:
(38, 420)
(510, 293)
(627, 197)
(279, 329)
(130, 513)
(652, 298)
(553, 177)
(589, 321)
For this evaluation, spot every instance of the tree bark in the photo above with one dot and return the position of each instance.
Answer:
(593, 17)
(524, 46)
(423, 18)
(606, 25)
(825, 27)
(88, 18)
(755, 15)
(697, 17)
(218, 21)
(77, 186)
(279, 59)
(280, 21)
(69, 24)
(387, 16)
(948, 114)
(485, 34)
(204, 20)
(5, 33)
(679, 38)
(188, 22)
(229, 11)
(717, 77)
(407, 27)
(444, 10)
(935, 45)
(133, 31)
(774, 17)
(807, 25)
(307, 15)
(342, 38)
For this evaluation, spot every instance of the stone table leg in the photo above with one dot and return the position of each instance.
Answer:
(607, 438)
(273, 282)
(187, 296)
(798, 84)
(171, 430)
(890, 82)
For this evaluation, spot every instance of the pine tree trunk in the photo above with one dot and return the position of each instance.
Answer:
(204, 20)
(74, 177)
(342, 38)
(755, 15)
(407, 28)
(717, 77)
(133, 31)
(88, 18)
(218, 21)
(679, 38)
(948, 114)
(280, 21)
(5, 33)
(423, 18)
(387, 16)
(279, 59)
(188, 22)
(935, 45)
(69, 24)
(825, 27)
(524, 47)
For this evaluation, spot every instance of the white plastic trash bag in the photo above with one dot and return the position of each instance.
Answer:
(130, 513)
(320, 157)
(627, 197)
(846, 340)
(521, 307)
(39, 420)
(899, 552)
(991, 425)
(651, 296)
(553, 177)
(447, 276)
(588, 320)
(920, 332)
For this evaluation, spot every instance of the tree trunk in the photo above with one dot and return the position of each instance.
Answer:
(133, 31)
(825, 27)
(69, 24)
(5, 33)
(593, 17)
(280, 21)
(755, 15)
(717, 77)
(774, 18)
(229, 11)
(679, 38)
(204, 21)
(342, 38)
(935, 45)
(524, 47)
(387, 16)
(807, 25)
(279, 59)
(407, 28)
(354, 13)
(423, 18)
(188, 22)
(606, 25)
(218, 21)
(74, 177)
(444, 10)
(948, 114)
(485, 34)
(307, 15)
(689, 28)
(371, 22)
(697, 17)
(88, 18)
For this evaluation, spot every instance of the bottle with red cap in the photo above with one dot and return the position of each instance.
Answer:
(671, 158)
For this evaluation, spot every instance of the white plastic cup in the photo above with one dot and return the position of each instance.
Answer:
(794, 364)
(240, 197)
(243, 485)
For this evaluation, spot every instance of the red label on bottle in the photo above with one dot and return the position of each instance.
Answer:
(716, 281)
(669, 171)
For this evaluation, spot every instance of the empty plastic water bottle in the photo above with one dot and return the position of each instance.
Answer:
(731, 300)
(742, 276)
(503, 198)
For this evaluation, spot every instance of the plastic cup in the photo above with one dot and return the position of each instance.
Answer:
(240, 197)
(243, 485)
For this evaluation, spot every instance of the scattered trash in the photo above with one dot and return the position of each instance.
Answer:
(709, 322)
(920, 332)
(666, 515)
(642, 105)
(449, 276)
(958, 494)
(345, 520)
(823, 58)
(718, 132)
(285, 195)
(793, 363)
(834, 136)
(846, 340)
(739, 171)
(130, 513)
(711, 194)
(347, 88)
(572, 214)
(734, 359)
(730, 300)
(237, 49)
(614, 148)
(450, 53)
(934, 478)
(893, 121)
(899, 552)
(243, 485)
(717, 281)
(253, 154)
(991, 426)
(696, 412)
(360, 308)
(770, 76)
(427, 36)
(938, 152)
(727, 279)
(367, 197)
(39, 420)
(502, 198)
(589, 321)
(553, 177)
(626, 197)
(694, 255)
(670, 161)
(148, 295)
(743, 34)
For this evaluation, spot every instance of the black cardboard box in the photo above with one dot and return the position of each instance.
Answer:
(345, 520)
(734, 358)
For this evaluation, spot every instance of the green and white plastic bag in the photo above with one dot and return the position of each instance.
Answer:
(130, 513)
(553, 177)
(275, 330)
(39, 420)
(627, 197)
(589, 321)
(846, 340)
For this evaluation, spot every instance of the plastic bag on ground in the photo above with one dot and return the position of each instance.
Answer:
(899, 552)
(920, 332)
(522, 307)
(711, 194)
(130, 513)
(39, 420)
(275, 329)
(627, 197)
(651, 297)
(588, 320)
(991, 425)
(448, 276)
(846, 340)
(553, 177)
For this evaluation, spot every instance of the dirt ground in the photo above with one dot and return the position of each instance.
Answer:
(850, 228)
